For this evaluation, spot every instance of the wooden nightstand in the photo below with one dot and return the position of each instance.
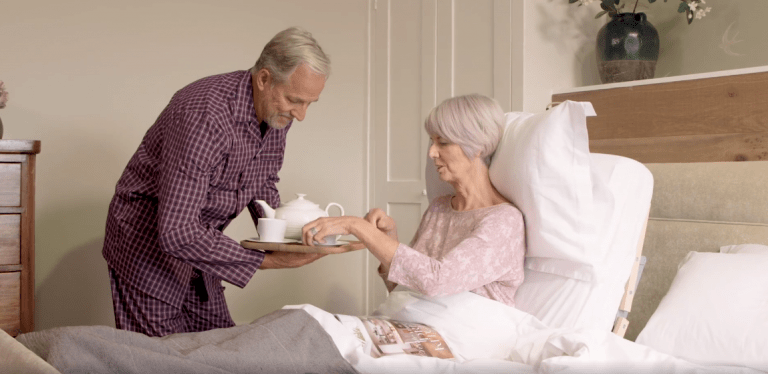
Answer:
(17, 235)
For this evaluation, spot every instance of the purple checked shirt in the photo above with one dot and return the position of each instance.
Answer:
(198, 166)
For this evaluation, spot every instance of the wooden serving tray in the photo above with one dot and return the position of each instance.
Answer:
(298, 247)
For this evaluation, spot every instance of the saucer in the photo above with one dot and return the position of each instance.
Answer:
(284, 241)
(338, 243)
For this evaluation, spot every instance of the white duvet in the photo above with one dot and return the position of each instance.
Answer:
(486, 336)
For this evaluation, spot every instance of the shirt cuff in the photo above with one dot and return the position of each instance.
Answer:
(387, 283)
(398, 269)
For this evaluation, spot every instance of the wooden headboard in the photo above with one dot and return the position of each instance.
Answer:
(696, 119)
(688, 131)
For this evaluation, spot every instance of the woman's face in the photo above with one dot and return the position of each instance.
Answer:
(451, 162)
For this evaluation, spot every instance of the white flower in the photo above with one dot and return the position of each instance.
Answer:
(691, 8)
(700, 13)
(694, 5)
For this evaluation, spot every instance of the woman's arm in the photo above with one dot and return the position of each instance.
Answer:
(383, 222)
(384, 277)
(490, 251)
(380, 244)
(386, 224)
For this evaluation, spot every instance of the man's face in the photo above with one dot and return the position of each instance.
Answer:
(278, 105)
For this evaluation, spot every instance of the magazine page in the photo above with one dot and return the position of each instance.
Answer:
(383, 337)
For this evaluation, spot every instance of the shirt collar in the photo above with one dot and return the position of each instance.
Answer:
(242, 100)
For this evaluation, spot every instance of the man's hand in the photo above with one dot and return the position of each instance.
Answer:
(285, 260)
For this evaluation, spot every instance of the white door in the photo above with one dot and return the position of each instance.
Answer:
(423, 52)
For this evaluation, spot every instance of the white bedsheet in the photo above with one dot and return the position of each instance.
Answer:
(489, 337)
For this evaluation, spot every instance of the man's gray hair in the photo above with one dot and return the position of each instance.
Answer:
(289, 49)
(474, 122)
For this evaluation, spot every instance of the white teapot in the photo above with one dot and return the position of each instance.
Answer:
(297, 213)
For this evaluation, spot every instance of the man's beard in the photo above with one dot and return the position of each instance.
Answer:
(274, 121)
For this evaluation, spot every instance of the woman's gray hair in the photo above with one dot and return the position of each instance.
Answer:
(474, 122)
(289, 49)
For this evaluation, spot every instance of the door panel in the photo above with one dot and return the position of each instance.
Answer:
(404, 95)
(474, 47)
(398, 112)
(423, 52)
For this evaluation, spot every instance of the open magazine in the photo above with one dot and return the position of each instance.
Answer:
(383, 337)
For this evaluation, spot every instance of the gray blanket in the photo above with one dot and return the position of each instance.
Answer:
(285, 341)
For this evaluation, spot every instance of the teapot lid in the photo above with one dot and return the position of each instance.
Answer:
(300, 203)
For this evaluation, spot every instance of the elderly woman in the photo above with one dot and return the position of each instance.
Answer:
(471, 241)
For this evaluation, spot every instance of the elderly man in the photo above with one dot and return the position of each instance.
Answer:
(215, 149)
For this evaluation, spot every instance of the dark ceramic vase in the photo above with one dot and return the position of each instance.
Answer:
(627, 48)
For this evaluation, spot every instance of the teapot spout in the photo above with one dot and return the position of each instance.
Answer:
(267, 209)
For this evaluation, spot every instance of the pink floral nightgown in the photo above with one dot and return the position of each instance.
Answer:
(480, 250)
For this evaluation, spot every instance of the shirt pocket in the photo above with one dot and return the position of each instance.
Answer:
(270, 161)
(270, 155)
(227, 175)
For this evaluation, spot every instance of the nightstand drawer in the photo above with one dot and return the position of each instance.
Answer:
(10, 306)
(10, 245)
(10, 184)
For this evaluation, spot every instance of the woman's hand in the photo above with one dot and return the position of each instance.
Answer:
(318, 229)
(377, 231)
(383, 222)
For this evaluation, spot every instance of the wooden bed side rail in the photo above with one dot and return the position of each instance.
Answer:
(621, 323)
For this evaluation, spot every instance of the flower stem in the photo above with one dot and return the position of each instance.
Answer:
(635, 8)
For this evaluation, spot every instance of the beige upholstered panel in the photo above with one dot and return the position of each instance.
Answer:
(697, 207)
(666, 244)
(713, 191)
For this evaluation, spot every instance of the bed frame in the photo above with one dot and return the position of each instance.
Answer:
(705, 139)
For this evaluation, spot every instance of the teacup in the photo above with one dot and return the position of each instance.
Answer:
(330, 239)
(271, 229)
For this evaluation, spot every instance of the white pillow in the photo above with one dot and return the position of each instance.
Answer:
(745, 248)
(622, 190)
(715, 312)
(542, 166)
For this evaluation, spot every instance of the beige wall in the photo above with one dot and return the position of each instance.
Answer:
(559, 43)
(89, 77)
(704, 46)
